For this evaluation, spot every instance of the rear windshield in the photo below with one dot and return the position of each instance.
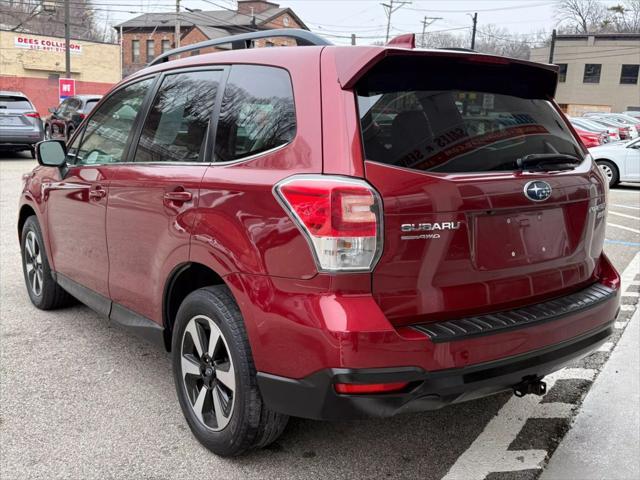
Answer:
(18, 103)
(457, 129)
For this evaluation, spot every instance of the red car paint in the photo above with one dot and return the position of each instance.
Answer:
(589, 139)
(126, 241)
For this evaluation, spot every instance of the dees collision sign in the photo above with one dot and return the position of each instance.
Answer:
(46, 44)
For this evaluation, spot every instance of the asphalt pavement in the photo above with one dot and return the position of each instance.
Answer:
(81, 399)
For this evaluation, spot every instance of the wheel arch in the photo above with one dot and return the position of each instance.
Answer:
(183, 280)
(26, 211)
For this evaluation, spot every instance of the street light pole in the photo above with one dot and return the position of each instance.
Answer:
(67, 41)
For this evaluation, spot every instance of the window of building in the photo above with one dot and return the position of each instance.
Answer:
(151, 50)
(562, 72)
(257, 112)
(176, 127)
(135, 51)
(629, 74)
(166, 45)
(106, 135)
(592, 73)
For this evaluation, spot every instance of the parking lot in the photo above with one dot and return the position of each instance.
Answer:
(82, 399)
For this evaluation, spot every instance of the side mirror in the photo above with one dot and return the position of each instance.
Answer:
(52, 109)
(51, 153)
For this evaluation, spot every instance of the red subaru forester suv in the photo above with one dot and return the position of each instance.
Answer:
(328, 232)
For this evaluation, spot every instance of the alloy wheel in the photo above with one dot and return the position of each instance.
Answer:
(208, 373)
(33, 263)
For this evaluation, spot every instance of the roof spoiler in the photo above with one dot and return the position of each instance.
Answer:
(302, 38)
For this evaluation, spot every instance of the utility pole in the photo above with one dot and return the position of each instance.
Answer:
(552, 46)
(67, 41)
(425, 23)
(353, 39)
(473, 33)
(389, 8)
(176, 41)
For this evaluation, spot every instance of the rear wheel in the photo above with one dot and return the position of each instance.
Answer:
(610, 171)
(215, 377)
(44, 291)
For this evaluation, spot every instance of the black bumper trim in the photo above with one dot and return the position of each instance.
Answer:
(314, 396)
(491, 324)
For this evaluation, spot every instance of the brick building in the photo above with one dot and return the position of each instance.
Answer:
(147, 36)
(33, 64)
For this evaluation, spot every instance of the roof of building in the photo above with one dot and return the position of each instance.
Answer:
(598, 36)
(223, 19)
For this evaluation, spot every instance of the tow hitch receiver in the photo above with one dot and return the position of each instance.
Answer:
(530, 384)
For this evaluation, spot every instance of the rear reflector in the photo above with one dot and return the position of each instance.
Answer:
(340, 217)
(363, 388)
(32, 114)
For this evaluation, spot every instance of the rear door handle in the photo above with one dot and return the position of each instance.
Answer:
(97, 193)
(179, 196)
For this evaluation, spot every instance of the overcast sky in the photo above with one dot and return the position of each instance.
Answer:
(366, 18)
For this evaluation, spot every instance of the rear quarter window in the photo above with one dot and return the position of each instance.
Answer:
(257, 112)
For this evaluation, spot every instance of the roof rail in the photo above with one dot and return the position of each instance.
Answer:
(302, 38)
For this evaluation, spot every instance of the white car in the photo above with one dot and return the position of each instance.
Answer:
(619, 161)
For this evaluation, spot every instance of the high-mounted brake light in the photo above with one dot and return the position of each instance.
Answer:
(340, 217)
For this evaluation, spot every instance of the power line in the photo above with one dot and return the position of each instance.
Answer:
(389, 9)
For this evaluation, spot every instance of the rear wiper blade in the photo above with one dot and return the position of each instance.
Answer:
(547, 161)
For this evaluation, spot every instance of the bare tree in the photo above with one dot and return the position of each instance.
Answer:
(625, 17)
(33, 17)
(443, 40)
(581, 16)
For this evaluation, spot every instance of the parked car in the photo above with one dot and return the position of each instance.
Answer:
(625, 131)
(633, 113)
(246, 210)
(590, 139)
(611, 133)
(620, 162)
(628, 120)
(66, 117)
(20, 124)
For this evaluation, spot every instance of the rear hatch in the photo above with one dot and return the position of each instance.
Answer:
(467, 228)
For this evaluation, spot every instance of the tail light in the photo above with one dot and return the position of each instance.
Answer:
(32, 114)
(340, 217)
(81, 116)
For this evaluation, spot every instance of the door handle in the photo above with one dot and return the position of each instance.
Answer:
(178, 196)
(97, 193)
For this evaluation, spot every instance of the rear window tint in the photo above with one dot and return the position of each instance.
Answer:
(257, 112)
(412, 125)
(18, 103)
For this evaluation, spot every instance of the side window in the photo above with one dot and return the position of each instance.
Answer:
(106, 134)
(257, 112)
(62, 108)
(73, 105)
(176, 127)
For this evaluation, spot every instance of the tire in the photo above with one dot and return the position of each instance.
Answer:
(47, 132)
(43, 290)
(239, 420)
(610, 172)
(32, 151)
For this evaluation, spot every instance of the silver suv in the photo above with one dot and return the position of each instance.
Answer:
(20, 123)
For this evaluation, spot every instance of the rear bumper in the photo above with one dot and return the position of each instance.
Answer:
(22, 140)
(315, 397)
